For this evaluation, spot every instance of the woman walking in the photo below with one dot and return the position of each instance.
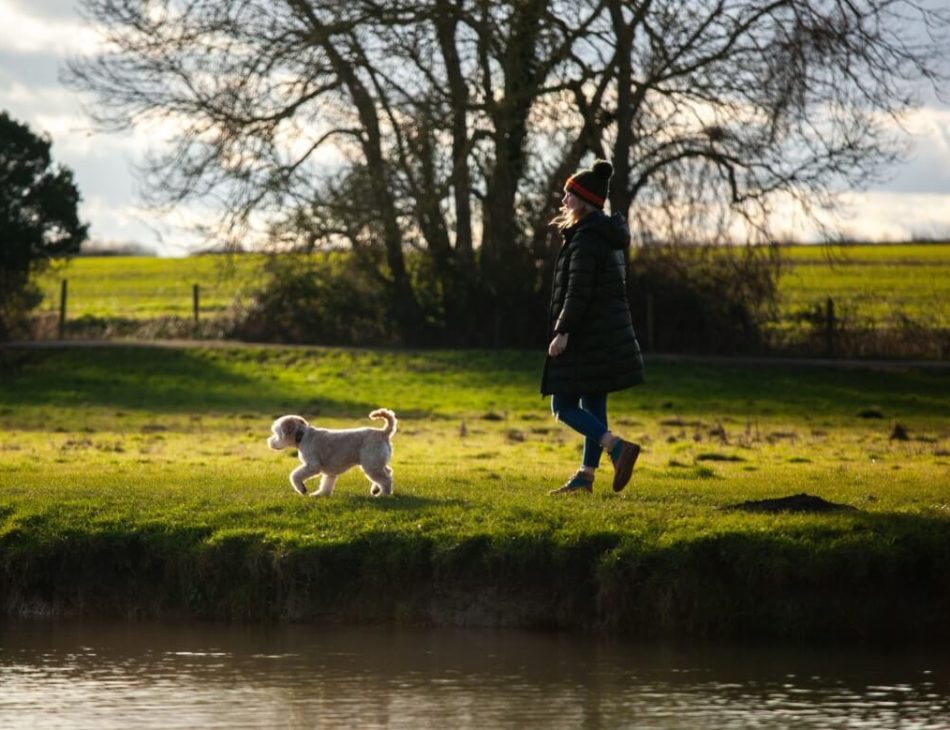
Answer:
(594, 349)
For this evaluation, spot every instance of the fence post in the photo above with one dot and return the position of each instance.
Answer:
(63, 290)
(830, 326)
(195, 300)
(650, 321)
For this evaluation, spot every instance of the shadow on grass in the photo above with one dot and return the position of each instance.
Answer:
(409, 503)
(751, 390)
(360, 501)
(154, 379)
(329, 382)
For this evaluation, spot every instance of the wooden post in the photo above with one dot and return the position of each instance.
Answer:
(650, 321)
(830, 326)
(63, 291)
(195, 300)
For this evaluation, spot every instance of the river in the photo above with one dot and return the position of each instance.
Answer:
(166, 675)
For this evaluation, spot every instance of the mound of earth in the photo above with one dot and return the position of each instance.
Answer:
(795, 503)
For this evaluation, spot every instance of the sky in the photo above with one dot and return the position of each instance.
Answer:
(37, 36)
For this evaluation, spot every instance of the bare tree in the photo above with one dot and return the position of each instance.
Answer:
(448, 126)
(256, 91)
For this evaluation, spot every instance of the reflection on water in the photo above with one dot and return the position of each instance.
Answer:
(81, 675)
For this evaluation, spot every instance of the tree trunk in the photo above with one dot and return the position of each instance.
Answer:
(628, 102)
(405, 306)
(505, 261)
(457, 270)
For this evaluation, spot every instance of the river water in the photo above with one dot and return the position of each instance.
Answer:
(164, 675)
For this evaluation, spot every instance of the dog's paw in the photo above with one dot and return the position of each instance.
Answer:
(301, 491)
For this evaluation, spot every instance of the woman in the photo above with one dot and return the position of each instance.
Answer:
(594, 350)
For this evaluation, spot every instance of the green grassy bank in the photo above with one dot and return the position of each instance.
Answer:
(135, 481)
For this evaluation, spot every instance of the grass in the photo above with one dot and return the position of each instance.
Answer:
(136, 479)
(144, 287)
(867, 282)
(878, 283)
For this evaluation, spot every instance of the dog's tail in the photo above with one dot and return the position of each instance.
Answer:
(388, 416)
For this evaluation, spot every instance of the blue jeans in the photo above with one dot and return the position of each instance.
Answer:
(586, 414)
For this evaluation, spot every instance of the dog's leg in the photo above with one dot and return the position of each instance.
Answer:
(302, 472)
(382, 481)
(326, 486)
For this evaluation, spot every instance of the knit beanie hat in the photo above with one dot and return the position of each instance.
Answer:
(591, 185)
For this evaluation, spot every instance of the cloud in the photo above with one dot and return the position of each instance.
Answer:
(45, 8)
(872, 216)
(890, 216)
(125, 221)
(131, 223)
(32, 70)
(927, 168)
(24, 30)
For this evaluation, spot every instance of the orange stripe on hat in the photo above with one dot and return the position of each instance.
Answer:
(575, 187)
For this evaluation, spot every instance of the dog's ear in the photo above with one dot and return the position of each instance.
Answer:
(287, 428)
(294, 428)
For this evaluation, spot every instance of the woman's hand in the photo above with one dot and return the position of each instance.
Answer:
(558, 345)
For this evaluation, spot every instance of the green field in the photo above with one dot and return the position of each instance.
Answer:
(867, 282)
(144, 287)
(136, 481)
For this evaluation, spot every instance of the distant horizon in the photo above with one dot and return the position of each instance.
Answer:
(135, 250)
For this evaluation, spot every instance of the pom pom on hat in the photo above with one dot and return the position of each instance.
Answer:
(591, 185)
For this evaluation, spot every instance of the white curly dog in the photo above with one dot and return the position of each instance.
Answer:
(331, 452)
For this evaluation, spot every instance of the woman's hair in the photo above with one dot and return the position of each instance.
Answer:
(566, 218)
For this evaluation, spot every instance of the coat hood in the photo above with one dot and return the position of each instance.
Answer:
(613, 228)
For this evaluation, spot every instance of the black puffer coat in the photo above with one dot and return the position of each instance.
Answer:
(589, 304)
